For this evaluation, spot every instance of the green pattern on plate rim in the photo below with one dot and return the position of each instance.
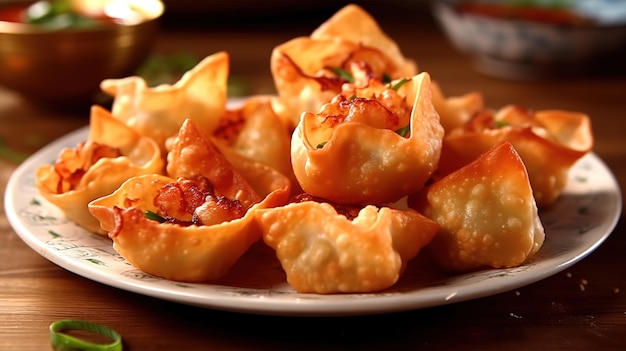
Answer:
(580, 221)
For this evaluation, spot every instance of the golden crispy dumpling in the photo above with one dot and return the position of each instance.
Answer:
(353, 24)
(325, 252)
(455, 111)
(486, 211)
(205, 212)
(112, 153)
(192, 153)
(235, 176)
(349, 48)
(369, 150)
(174, 250)
(301, 82)
(255, 131)
(200, 95)
(549, 142)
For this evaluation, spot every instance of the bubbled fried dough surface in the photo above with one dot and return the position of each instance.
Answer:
(365, 164)
(322, 251)
(112, 153)
(487, 213)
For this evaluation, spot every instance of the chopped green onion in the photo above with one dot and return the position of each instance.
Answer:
(400, 83)
(343, 74)
(404, 131)
(64, 341)
(500, 124)
(321, 145)
(154, 216)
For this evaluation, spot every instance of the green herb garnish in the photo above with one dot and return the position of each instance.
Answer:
(404, 131)
(58, 14)
(321, 145)
(500, 124)
(154, 216)
(400, 83)
(343, 74)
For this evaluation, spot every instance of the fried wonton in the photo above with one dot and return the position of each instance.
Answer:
(352, 23)
(549, 142)
(237, 176)
(372, 150)
(350, 48)
(455, 111)
(323, 251)
(255, 131)
(486, 211)
(194, 224)
(112, 153)
(158, 112)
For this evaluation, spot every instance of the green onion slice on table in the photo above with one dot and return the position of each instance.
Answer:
(62, 341)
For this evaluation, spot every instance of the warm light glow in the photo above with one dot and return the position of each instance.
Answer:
(133, 11)
(38, 9)
(90, 8)
(124, 11)
(121, 10)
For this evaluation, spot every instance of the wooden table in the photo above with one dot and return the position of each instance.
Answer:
(552, 314)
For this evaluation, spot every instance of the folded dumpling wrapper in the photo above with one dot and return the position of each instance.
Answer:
(191, 253)
(302, 68)
(352, 23)
(548, 141)
(324, 252)
(158, 112)
(255, 131)
(487, 213)
(455, 111)
(85, 173)
(360, 160)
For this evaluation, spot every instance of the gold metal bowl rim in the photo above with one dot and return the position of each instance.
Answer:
(153, 15)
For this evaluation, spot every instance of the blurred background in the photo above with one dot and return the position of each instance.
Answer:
(417, 27)
(190, 30)
(276, 21)
(277, 13)
(490, 45)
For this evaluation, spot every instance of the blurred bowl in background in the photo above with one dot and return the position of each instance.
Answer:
(57, 65)
(533, 39)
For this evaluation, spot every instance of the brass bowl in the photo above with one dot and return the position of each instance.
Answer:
(66, 66)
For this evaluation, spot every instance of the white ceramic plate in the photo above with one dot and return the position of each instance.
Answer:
(580, 221)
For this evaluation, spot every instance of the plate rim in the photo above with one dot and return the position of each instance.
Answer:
(309, 304)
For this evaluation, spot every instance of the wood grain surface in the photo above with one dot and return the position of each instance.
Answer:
(556, 313)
